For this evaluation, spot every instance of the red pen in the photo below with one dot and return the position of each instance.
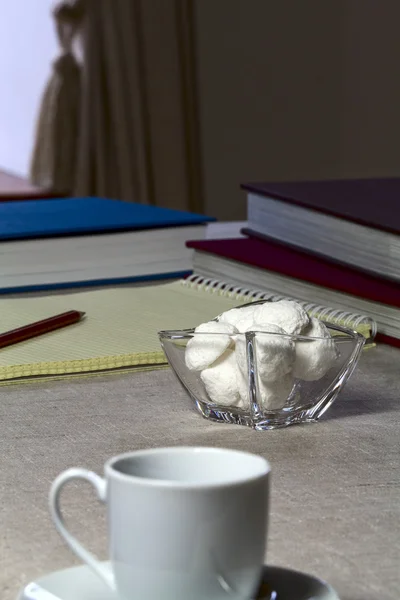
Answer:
(40, 327)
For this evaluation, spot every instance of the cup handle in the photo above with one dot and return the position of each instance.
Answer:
(100, 486)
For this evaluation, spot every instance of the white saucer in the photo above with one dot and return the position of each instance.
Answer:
(80, 583)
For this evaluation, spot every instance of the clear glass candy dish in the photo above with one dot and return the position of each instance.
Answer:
(286, 402)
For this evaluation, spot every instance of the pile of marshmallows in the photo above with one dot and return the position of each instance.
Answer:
(222, 359)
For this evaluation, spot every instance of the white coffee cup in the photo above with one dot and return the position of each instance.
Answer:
(183, 523)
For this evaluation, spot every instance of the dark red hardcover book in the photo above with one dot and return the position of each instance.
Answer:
(271, 256)
(371, 202)
(331, 260)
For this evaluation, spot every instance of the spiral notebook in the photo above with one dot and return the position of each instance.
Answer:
(120, 330)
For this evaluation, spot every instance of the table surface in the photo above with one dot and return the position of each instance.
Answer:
(335, 487)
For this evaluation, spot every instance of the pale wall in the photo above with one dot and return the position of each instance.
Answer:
(296, 89)
(27, 48)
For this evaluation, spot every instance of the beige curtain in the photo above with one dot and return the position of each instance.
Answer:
(53, 164)
(137, 134)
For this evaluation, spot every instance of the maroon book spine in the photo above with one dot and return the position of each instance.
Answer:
(276, 258)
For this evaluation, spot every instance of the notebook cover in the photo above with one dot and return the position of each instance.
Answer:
(119, 330)
(286, 261)
(78, 216)
(371, 202)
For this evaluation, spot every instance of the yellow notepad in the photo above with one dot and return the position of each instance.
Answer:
(120, 329)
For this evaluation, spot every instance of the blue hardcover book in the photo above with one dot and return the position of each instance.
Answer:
(65, 243)
(79, 216)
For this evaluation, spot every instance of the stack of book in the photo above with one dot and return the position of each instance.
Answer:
(330, 244)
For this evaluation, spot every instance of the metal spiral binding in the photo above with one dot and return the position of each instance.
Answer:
(223, 288)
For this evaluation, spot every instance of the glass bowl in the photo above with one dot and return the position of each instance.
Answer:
(303, 400)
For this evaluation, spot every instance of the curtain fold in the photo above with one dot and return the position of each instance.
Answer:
(137, 133)
(53, 163)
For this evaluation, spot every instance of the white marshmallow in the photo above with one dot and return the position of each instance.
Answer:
(273, 395)
(279, 358)
(220, 381)
(235, 315)
(246, 323)
(203, 350)
(287, 314)
(243, 387)
(314, 358)
(275, 353)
